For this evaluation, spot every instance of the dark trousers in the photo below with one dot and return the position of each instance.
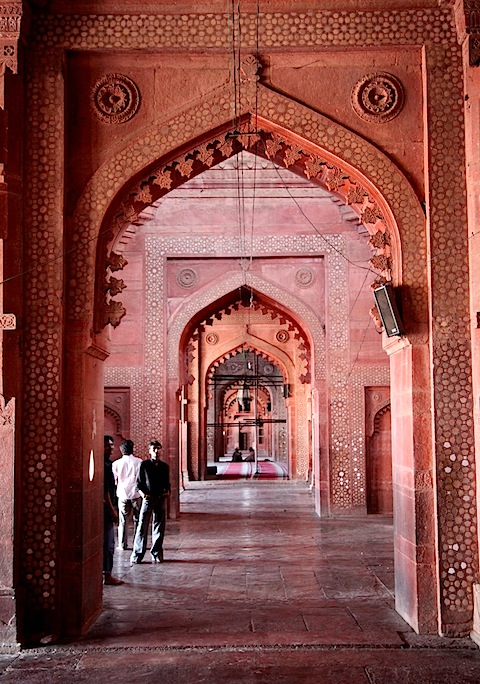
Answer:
(108, 544)
(154, 510)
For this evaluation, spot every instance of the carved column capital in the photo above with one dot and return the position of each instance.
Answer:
(10, 23)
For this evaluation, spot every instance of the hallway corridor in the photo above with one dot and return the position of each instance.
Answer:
(254, 588)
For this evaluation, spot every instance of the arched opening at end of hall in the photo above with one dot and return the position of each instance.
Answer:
(247, 419)
(246, 369)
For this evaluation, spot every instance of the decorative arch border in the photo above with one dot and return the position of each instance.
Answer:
(284, 363)
(115, 416)
(293, 327)
(379, 414)
(184, 315)
(375, 415)
(226, 356)
(264, 395)
(325, 151)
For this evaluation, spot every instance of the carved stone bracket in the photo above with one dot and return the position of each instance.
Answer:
(10, 22)
(109, 311)
(377, 321)
(113, 312)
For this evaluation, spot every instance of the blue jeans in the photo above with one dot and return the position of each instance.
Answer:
(154, 509)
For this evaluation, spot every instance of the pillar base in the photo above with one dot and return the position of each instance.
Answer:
(8, 623)
(475, 633)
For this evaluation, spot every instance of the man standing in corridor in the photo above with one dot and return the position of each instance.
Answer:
(109, 514)
(153, 483)
(125, 471)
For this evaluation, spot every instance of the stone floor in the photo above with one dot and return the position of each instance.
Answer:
(254, 589)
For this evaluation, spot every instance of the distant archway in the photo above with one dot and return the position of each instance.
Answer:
(217, 336)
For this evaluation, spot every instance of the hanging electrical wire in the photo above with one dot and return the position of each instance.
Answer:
(338, 251)
(358, 350)
(330, 245)
(255, 161)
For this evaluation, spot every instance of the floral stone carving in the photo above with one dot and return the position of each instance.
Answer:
(305, 277)
(377, 98)
(115, 99)
(187, 277)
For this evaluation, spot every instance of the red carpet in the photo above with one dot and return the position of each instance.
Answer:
(266, 470)
(234, 471)
(269, 470)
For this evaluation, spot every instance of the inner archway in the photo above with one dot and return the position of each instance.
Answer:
(247, 366)
(306, 277)
(246, 408)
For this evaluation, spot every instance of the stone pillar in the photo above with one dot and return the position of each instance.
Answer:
(42, 418)
(471, 60)
(11, 132)
(338, 368)
(172, 443)
(413, 492)
(450, 353)
(291, 436)
(81, 472)
(322, 497)
(8, 598)
(193, 414)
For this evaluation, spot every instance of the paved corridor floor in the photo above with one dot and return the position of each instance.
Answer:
(255, 588)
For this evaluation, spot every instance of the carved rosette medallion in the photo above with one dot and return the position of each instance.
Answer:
(377, 98)
(282, 336)
(305, 277)
(115, 99)
(211, 338)
(187, 277)
(8, 321)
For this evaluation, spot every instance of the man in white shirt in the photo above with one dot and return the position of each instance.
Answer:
(125, 471)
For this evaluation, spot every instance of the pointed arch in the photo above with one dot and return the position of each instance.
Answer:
(121, 188)
(263, 348)
(280, 359)
(301, 311)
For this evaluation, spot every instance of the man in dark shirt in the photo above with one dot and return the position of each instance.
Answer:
(153, 483)
(109, 514)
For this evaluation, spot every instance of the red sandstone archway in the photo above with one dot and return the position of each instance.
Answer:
(305, 141)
